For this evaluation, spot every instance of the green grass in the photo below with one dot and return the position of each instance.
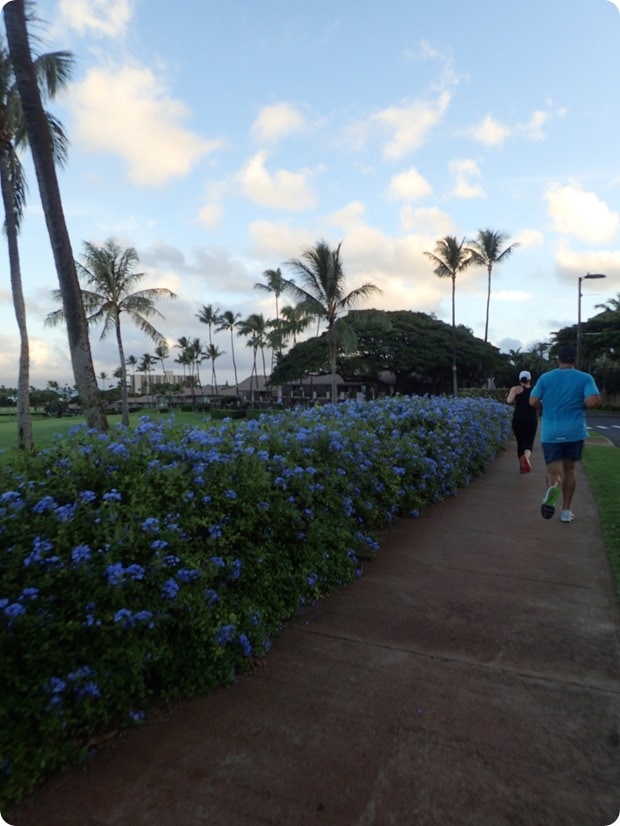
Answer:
(45, 429)
(602, 465)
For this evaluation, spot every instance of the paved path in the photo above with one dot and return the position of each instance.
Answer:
(471, 676)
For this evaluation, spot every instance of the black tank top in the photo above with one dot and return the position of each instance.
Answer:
(523, 408)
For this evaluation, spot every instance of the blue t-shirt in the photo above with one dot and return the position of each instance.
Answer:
(562, 392)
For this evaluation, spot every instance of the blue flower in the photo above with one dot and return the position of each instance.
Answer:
(187, 574)
(115, 573)
(87, 496)
(112, 496)
(66, 512)
(81, 553)
(135, 571)
(246, 645)
(151, 524)
(124, 616)
(16, 609)
(170, 589)
(225, 634)
(45, 504)
(29, 593)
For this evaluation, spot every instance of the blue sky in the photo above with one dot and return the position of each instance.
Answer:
(221, 139)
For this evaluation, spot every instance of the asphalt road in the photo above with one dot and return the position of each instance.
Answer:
(607, 424)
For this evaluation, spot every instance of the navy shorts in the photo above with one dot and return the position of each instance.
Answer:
(557, 451)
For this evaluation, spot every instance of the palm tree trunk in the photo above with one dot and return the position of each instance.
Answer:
(486, 323)
(333, 352)
(232, 350)
(454, 380)
(40, 143)
(24, 419)
(124, 393)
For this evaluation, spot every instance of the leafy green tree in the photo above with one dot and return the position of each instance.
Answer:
(52, 72)
(486, 249)
(110, 274)
(255, 330)
(451, 257)
(322, 294)
(41, 142)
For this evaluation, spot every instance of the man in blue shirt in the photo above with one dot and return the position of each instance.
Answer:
(563, 395)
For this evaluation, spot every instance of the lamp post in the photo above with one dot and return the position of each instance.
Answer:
(581, 278)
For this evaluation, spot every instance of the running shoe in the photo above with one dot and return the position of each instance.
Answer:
(526, 465)
(547, 508)
(567, 516)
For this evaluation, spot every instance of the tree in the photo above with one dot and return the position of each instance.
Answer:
(274, 284)
(486, 250)
(212, 352)
(110, 273)
(51, 71)
(450, 258)
(322, 294)
(228, 321)
(254, 329)
(295, 320)
(209, 316)
(132, 363)
(40, 140)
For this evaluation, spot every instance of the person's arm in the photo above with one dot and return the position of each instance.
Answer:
(592, 401)
(512, 395)
(535, 402)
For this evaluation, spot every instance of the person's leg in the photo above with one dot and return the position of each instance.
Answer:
(569, 482)
(554, 461)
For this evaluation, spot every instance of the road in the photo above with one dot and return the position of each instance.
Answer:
(607, 424)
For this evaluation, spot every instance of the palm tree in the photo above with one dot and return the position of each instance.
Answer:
(486, 251)
(295, 320)
(450, 258)
(147, 362)
(52, 72)
(228, 321)
(132, 362)
(251, 329)
(103, 376)
(323, 296)
(209, 316)
(40, 130)
(212, 352)
(110, 272)
(162, 352)
(274, 284)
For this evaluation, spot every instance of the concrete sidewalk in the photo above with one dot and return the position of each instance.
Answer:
(471, 676)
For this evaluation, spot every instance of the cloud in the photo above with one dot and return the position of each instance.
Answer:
(579, 213)
(409, 125)
(492, 132)
(101, 18)
(430, 221)
(464, 171)
(409, 186)
(129, 113)
(530, 238)
(277, 121)
(280, 190)
(571, 264)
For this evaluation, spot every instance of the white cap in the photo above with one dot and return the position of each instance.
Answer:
(525, 375)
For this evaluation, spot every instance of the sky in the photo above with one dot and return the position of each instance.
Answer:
(221, 139)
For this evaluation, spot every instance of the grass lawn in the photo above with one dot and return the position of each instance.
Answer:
(44, 429)
(602, 465)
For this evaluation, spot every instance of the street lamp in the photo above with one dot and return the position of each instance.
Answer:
(581, 278)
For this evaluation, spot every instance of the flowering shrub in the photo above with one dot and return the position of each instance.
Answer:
(140, 565)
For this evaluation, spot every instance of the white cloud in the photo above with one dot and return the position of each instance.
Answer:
(352, 215)
(430, 221)
(280, 190)
(409, 186)
(574, 263)
(410, 125)
(101, 18)
(579, 213)
(490, 132)
(277, 121)
(530, 238)
(129, 113)
(465, 171)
